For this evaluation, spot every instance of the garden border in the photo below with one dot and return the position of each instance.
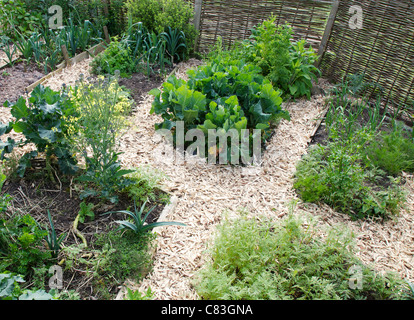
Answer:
(93, 51)
(168, 210)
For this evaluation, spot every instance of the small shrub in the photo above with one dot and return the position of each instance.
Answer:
(116, 57)
(22, 244)
(286, 260)
(392, 152)
(158, 15)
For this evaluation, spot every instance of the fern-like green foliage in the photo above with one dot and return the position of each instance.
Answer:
(335, 174)
(393, 152)
(251, 260)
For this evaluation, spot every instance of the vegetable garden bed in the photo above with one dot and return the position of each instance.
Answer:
(83, 155)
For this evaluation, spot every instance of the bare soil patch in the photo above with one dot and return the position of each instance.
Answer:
(14, 80)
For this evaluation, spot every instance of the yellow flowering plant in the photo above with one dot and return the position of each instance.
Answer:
(102, 108)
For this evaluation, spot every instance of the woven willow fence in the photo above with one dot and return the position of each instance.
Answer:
(232, 20)
(382, 49)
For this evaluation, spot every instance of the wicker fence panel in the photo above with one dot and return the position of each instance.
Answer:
(232, 20)
(383, 49)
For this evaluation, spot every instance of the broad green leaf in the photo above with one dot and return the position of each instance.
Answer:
(48, 135)
(49, 108)
(5, 128)
(20, 126)
(19, 110)
(190, 115)
(155, 92)
(36, 295)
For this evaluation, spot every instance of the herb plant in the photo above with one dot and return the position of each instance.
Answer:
(340, 173)
(287, 260)
(393, 152)
(116, 57)
(22, 244)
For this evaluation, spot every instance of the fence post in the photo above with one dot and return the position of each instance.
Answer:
(327, 32)
(198, 4)
(106, 33)
(65, 54)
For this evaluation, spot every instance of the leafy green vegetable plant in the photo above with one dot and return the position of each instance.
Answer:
(221, 95)
(22, 244)
(159, 15)
(175, 42)
(16, 19)
(116, 57)
(10, 289)
(287, 64)
(86, 211)
(44, 122)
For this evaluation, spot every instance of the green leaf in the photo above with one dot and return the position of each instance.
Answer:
(36, 295)
(49, 108)
(206, 126)
(19, 110)
(161, 224)
(155, 92)
(190, 115)
(20, 126)
(5, 128)
(48, 135)
(25, 162)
